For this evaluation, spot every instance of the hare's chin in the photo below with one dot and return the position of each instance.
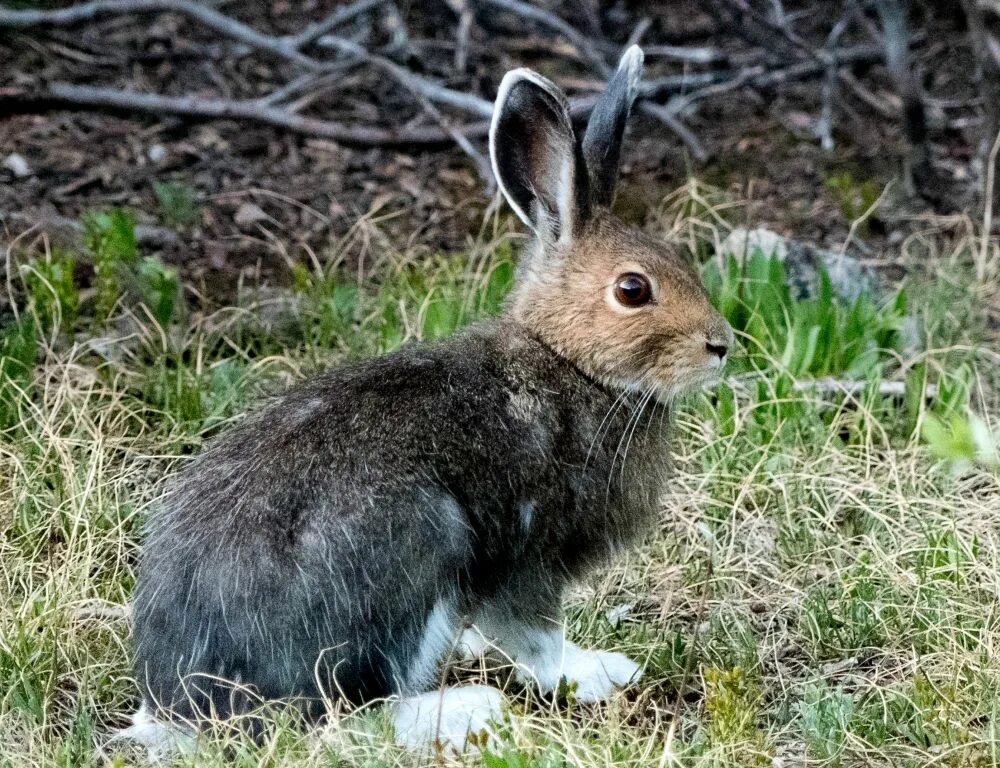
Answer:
(709, 376)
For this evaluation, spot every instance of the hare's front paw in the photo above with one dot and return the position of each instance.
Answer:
(598, 673)
(595, 674)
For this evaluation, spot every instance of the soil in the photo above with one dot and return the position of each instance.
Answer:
(306, 193)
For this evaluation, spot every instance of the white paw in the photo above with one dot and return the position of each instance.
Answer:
(596, 674)
(162, 740)
(448, 717)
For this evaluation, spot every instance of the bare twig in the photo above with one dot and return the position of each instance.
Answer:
(483, 169)
(824, 126)
(342, 15)
(690, 54)
(412, 82)
(583, 45)
(829, 385)
(465, 18)
(881, 106)
(669, 118)
(640, 30)
(231, 28)
(589, 51)
(778, 13)
(60, 94)
(681, 102)
(763, 30)
(395, 25)
(310, 81)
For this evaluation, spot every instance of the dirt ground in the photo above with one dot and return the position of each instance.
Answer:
(307, 192)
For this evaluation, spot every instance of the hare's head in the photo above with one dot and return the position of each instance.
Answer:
(622, 306)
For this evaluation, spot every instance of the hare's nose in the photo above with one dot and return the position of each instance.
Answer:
(716, 348)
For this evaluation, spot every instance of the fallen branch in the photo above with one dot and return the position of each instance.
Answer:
(59, 94)
(690, 54)
(341, 16)
(584, 46)
(61, 226)
(412, 82)
(829, 385)
(669, 118)
(265, 109)
(230, 27)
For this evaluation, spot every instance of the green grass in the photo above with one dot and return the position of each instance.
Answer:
(822, 588)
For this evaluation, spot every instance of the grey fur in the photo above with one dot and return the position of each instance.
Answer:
(320, 533)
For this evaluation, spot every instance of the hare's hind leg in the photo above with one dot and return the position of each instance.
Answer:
(535, 641)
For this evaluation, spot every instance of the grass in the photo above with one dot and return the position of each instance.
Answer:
(823, 588)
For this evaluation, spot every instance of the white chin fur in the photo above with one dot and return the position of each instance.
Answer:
(161, 740)
(448, 717)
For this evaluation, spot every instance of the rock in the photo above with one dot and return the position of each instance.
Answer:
(156, 153)
(847, 276)
(17, 165)
(248, 214)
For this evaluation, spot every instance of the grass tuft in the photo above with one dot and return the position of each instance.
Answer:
(822, 588)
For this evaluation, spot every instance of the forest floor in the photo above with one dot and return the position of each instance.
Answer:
(824, 584)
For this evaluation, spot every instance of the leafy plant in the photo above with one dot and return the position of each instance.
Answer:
(854, 197)
(810, 337)
(825, 716)
(109, 237)
(159, 287)
(963, 440)
(733, 705)
(178, 204)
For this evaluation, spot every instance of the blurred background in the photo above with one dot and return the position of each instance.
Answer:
(234, 124)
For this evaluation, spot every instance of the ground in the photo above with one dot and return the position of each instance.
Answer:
(823, 585)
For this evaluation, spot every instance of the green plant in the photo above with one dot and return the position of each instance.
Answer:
(962, 440)
(733, 704)
(511, 757)
(825, 715)
(17, 361)
(178, 204)
(848, 620)
(809, 337)
(855, 198)
(159, 287)
(52, 294)
(109, 237)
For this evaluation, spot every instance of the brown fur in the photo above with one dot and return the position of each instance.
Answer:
(562, 295)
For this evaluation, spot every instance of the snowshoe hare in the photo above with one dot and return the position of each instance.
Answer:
(335, 544)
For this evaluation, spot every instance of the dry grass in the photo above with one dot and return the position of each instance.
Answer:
(808, 600)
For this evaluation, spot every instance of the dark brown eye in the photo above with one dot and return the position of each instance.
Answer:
(633, 290)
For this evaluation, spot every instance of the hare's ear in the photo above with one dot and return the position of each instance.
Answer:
(536, 157)
(602, 143)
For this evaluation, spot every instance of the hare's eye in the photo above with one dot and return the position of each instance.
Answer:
(633, 290)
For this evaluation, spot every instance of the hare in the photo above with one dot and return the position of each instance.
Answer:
(336, 543)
